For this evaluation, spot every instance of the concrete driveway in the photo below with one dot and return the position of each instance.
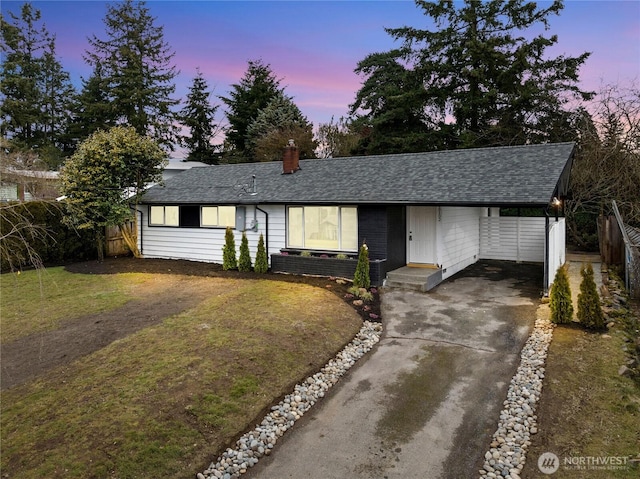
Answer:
(425, 402)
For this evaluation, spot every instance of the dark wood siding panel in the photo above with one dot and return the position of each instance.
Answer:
(372, 229)
(396, 237)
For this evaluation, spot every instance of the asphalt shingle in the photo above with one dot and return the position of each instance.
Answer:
(517, 175)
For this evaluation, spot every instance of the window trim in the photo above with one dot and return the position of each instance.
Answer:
(164, 216)
(218, 226)
(200, 224)
(339, 229)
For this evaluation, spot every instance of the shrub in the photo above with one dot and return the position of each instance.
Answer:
(341, 256)
(361, 293)
(589, 310)
(560, 301)
(229, 251)
(361, 277)
(306, 254)
(262, 261)
(49, 241)
(244, 263)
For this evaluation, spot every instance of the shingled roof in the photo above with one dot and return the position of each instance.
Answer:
(516, 175)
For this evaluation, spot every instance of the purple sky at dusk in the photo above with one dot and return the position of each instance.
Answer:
(314, 46)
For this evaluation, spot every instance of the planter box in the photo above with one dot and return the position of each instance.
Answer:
(341, 268)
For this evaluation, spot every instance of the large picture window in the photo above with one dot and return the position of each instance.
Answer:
(331, 228)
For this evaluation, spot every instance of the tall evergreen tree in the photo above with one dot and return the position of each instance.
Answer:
(35, 91)
(92, 110)
(476, 78)
(198, 115)
(274, 125)
(58, 101)
(136, 63)
(258, 86)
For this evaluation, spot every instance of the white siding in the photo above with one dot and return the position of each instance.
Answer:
(512, 238)
(205, 244)
(8, 192)
(458, 241)
(557, 247)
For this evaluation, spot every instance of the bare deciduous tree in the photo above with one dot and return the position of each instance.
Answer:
(607, 162)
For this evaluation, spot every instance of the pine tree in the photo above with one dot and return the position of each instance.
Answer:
(229, 251)
(136, 64)
(198, 115)
(477, 79)
(361, 278)
(36, 93)
(560, 298)
(244, 264)
(93, 110)
(262, 261)
(275, 124)
(589, 310)
(258, 86)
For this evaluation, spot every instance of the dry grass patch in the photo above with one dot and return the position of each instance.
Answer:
(163, 401)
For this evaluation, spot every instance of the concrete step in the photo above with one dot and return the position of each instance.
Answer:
(407, 276)
(416, 279)
(413, 285)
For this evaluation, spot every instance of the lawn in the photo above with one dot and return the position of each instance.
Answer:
(60, 296)
(587, 411)
(166, 399)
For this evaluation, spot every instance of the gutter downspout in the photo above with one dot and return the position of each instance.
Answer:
(266, 230)
(141, 231)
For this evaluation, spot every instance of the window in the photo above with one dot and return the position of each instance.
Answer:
(333, 228)
(193, 216)
(164, 216)
(218, 216)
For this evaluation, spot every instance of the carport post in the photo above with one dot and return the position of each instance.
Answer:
(546, 252)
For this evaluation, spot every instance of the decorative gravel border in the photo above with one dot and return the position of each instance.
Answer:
(506, 457)
(260, 441)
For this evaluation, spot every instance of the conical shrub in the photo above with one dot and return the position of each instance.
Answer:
(229, 251)
(361, 278)
(590, 313)
(244, 263)
(262, 261)
(560, 298)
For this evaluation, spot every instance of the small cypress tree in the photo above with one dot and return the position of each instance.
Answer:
(361, 277)
(589, 310)
(561, 304)
(229, 251)
(262, 261)
(244, 264)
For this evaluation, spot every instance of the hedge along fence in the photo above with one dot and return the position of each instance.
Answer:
(33, 233)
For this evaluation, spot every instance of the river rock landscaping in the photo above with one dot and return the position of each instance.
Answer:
(507, 455)
(260, 441)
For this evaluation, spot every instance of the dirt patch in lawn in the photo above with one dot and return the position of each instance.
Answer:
(178, 286)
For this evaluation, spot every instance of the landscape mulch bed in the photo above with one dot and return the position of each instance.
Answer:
(195, 268)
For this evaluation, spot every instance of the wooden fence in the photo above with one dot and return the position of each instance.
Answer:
(618, 246)
(115, 245)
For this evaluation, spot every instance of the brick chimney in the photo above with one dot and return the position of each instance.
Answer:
(290, 159)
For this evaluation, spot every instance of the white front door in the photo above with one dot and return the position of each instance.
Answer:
(422, 235)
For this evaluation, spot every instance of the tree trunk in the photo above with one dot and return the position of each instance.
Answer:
(129, 232)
